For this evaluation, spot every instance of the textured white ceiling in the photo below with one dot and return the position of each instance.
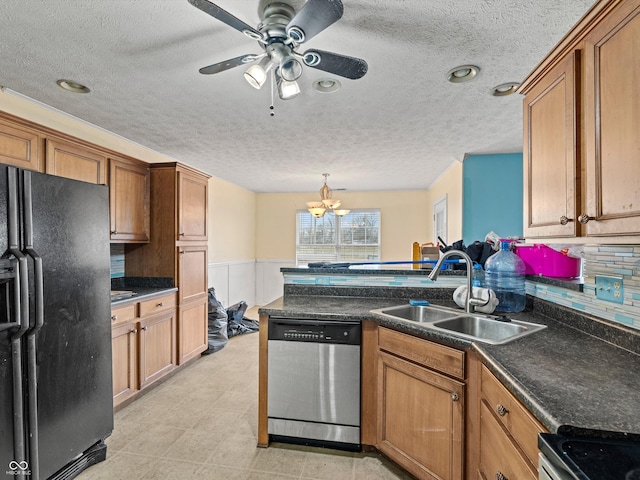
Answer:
(399, 127)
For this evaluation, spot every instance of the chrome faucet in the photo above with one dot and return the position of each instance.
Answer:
(469, 301)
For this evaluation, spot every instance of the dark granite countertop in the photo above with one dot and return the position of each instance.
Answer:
(370, 270)
(142, 293)
(578, 376)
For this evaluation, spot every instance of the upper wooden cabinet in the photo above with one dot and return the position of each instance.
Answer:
(20, 146)
(75, 161)
(192, 206)
(612, 124)
(129, 184)
(581, 142)
(551, 153)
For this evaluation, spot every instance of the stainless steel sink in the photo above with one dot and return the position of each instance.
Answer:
(417, 313)
(487, 329)
(474, 327)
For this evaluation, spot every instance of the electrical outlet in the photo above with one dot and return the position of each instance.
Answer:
(610, 289)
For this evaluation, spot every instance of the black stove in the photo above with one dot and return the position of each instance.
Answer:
(592, 458)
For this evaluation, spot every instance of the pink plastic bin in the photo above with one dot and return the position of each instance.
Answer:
(542, 260)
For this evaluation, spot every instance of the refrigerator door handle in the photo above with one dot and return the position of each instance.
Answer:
(20, 311)
(32, 374)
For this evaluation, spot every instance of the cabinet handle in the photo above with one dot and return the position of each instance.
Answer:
(564, 220)
(114, 318)
(161, 304)
(114, 232)
(502, 410)
(584, 218)
(182, 234)
(134, 330)
(181, 252)
(143, 328)
(501, 476)
(455, 397)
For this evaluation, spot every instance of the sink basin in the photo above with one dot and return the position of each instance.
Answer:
(474, 327)
(417, 313)
(486, 329)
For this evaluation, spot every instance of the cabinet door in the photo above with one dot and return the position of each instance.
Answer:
(192, 273)
(551, 153)
(192, 207)
(70, 160)
(420, 419)
(499, 458)
(125, 351)
(612, 124)
(129, 184)
(157, 346)
(192, 330)
(20, 147)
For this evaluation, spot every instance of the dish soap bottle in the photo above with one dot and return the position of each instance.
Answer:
(504, 274)
(478, 276)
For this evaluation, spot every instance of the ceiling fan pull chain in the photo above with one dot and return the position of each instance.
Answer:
(273, 81)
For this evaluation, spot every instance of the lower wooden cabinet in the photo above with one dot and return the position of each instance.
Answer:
(193, 326)
(157, 347)
(124, 344)
(420, 414)
(508, 433)
(144, 344)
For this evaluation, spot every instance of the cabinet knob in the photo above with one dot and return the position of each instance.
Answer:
(455, 397)
(502, 410)
(181, 252)
(564, 220)
(134, 330)
(114, 232)
(501, 476)
(161, 304)
(143, 328)
(584, 218)
(182, 234)
(114, 318)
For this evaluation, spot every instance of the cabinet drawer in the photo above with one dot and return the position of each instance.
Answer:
(123, 313)
(512, 415)
(432, 355)
(499, 458)
(159, 304)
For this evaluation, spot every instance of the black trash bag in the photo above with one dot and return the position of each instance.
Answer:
(217, 324)
(237, 323)
(477, 251)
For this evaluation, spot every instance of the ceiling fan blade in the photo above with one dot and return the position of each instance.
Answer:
(227, 64)
(216, 12)
(313, 17)
(348, 67)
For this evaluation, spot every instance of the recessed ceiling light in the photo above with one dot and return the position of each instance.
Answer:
(463, 73)
(505, 89)
(327, 85)
(72, 86)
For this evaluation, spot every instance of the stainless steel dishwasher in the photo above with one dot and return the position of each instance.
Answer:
(314, 382)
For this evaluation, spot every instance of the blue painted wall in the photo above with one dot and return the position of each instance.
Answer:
(491, 196)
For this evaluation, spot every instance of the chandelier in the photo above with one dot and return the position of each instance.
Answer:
(326, 203)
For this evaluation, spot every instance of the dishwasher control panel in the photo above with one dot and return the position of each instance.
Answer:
(318, 331)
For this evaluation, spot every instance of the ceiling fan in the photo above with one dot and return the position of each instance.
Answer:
(279, 34)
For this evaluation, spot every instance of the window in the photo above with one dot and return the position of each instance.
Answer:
(354, 237)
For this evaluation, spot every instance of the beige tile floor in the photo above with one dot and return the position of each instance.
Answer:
(202, 424)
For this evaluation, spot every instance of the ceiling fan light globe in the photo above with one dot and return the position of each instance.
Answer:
(255, 75)
(290, 69)
(288, 90)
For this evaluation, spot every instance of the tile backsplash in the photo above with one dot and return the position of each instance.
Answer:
(612, 260)
(117, 260)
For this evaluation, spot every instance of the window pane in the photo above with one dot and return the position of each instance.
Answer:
(318, 239)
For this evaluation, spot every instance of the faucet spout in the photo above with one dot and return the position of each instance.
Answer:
(469, 300)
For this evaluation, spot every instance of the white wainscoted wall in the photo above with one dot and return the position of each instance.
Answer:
(257, 282)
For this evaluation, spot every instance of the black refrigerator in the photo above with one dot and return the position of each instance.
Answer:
(56, 406)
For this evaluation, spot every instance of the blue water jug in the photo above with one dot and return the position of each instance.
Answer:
(504, 274)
